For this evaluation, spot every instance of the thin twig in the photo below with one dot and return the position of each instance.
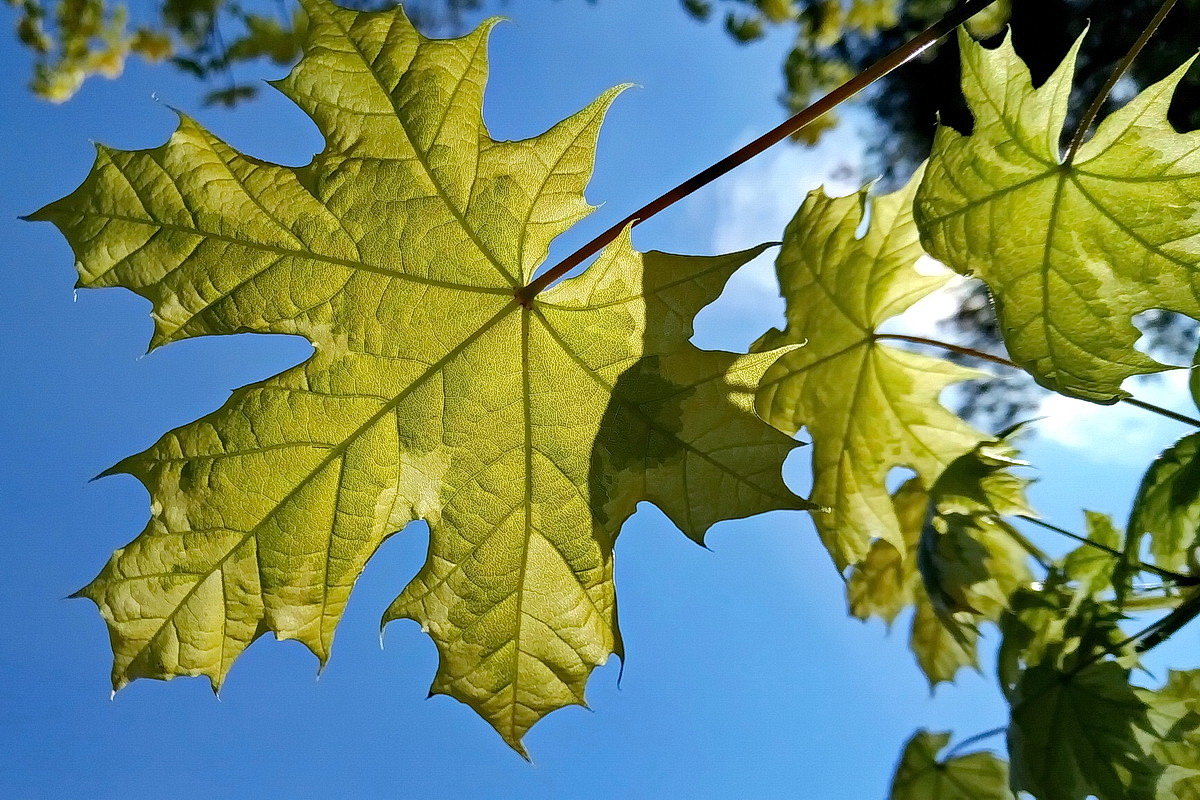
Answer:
(892, 61)
(1153, 634)
(1175, 577)
(1123, 66)
(1166, 412)
(955, 348)
(1004, 362)
(965, 743)
(1166, 627)
(1038, 554)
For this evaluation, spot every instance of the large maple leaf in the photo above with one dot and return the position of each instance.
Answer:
(525, 433)
(1072, 250)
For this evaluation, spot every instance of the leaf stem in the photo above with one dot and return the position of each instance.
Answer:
(1036, 553)
(1123, 66)
(954, 348)
(1004, 362)
(892, 61)
(965, 743)
(1153, 634)
(1166, 574)
(1166, 627)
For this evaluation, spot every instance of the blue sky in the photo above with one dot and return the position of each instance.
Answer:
(744, 675)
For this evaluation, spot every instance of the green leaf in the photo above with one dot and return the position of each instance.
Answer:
(1054, 626)
(1174, 712)
(869, 407)
(884, 583)
(972, 564)
(969, 558)
(525, 436)
(983, 481)
(941, 650)
(1167, 507)
(887, 582)
(1091, 568)
(1073, 251)
(1075, 734)
(920, 775)
(266, 37)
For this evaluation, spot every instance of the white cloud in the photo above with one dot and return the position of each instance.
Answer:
(759, 199)
(1117, 434)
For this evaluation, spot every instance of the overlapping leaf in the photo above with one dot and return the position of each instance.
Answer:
(524, 435)
(921, 775)
(1074, 734)
(1167, 506)
(868, 406)
(1071, 251)
(1174, 712)
(961, 564)
(1078, 728)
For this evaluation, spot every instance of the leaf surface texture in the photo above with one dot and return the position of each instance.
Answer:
(868, 406)
(525, 436)
(1072, 252)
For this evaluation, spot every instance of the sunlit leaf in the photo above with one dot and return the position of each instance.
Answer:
(921, 775)
(868, 406)
(1071, 252)
(524, 434)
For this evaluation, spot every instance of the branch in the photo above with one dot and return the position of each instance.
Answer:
(965, 743)
(1166, 574)
(1004, 362)
(1123, 66)
(892, 61)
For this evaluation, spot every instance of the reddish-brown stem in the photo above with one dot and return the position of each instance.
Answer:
(1123, 66)
(892, 61)
(1004, 362)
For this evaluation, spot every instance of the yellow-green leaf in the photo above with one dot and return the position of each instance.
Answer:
(921, 775)
(525, 435)
(1167, 506)
(1071, 251)
(869, 407)
(1174, 712)
(886, 580)
(1090, 567)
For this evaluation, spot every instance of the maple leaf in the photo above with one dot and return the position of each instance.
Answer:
(921, 775)
(1076, 734)
(1167, 506)
(1091, 568)
(1174, 713)
(525, 434)
(869, 407)
(1071, 251)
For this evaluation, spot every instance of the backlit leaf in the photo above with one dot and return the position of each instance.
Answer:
(961, 564)
(1075, 734)
(1070, 252)
(525, 436)
(921, 775)
(868, 406)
